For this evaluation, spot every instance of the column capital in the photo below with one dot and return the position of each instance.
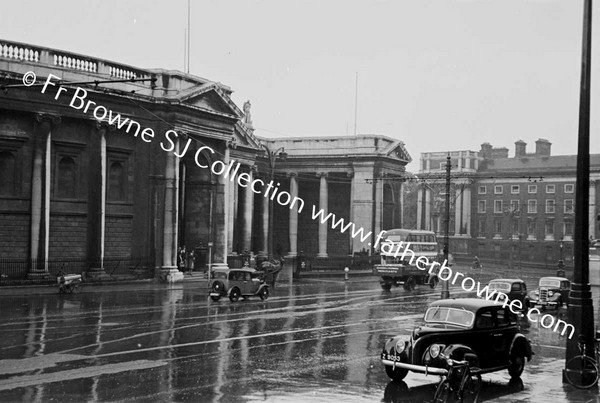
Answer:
(48, 118)
(291, 174)
(349, 174)
(231, 144)
(102, 126)
(321, 174)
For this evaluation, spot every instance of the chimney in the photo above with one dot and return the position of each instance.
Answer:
(542, 148)
(486, 151)
(520, 148)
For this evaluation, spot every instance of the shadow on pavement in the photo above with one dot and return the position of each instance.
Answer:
(401, 392)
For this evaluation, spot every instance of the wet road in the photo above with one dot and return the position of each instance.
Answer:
(318, 340)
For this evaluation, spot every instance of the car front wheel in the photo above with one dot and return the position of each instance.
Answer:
(516, 366)
(397, 374)
(386, 286)
(234, 294)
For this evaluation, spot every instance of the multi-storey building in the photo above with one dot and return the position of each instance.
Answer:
(515, 209)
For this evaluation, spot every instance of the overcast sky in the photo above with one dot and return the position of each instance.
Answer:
(437, 74)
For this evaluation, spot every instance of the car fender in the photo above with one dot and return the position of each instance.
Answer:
(520, 345)
(461, 352)
(261, 288)
(391, 343)
(235, 286)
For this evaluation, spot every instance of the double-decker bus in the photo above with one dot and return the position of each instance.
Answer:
(398, 266)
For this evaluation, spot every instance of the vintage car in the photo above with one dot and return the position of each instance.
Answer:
(236, 283)
(477, 330)
(552, 291)
(513, 288)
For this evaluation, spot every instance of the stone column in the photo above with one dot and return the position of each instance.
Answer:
(351, 216)
(169, 270)
(323, 205)
(458, 205)
(97, 213)
(362, 204)
(420, 192)
(467, 209)
(265, 222)
(592, 210)
(293, 223)
(248, 211)
(40, 195)
(427, 209)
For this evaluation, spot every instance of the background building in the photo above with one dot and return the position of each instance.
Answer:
(510, 209)
(83, 190)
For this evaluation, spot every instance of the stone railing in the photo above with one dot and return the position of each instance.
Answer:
(67, 60)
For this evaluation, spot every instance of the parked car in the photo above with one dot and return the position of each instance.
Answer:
(236, 283)
(552, 291)
(513, 288)
(477, 330)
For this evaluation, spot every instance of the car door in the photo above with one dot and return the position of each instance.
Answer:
(518, 291)
(485, 325)
(503, 335)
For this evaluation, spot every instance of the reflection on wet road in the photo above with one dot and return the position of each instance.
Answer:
(316, 340)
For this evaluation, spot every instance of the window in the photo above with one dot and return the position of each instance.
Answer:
(550, 204)
(498, 189)
(485, 320)
(549, 229)
(569, 207)
(532, 206)
(497, 228)
(514, 205)
(481, 228)
(568, 230)
(7, 173)
(515, 189)
(532, 189)
(515, 229)
(550, 189)
(569, 188)
(497, 206)
(531, 229)
(481, 206)
(116, 181)
(67, 178)
(482, 190)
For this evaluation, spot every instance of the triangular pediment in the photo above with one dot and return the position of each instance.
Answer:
(397, 151)
(212, 98)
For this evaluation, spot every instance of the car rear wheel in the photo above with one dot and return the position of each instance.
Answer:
(397, 374)
(264, 293)
(516, 366)
(215, 297)
(234, 294)
(386, 286)
(409, 284)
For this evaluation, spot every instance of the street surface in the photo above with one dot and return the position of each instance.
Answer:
(314, 340)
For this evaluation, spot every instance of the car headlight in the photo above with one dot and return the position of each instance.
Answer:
(400, 346)
(550, 293)
(434, 350)
(536, 292)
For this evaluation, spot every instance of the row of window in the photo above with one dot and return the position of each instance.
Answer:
(531, 189)
(532, 206)
(531, 230)
(67, 178)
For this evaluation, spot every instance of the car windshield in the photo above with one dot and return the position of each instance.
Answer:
(500, 286)
(545, 282)
(220, 274)
(452, 316)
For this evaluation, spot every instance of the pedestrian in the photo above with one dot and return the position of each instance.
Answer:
(181, 258)
(191, 261)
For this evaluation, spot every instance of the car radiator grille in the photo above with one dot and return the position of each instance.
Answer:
(544, 295)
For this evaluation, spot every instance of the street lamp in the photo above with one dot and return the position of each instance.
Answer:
(272, 156)
(561, 263)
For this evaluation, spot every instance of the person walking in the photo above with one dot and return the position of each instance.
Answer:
(191, 261)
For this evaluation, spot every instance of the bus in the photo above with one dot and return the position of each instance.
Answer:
(397, 263)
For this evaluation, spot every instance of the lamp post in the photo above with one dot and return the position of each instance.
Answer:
(445, 285)
(561, 264)
(511, 212)
(272, 157)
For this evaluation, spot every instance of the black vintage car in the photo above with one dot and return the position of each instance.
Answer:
(513, 288)
(552, 291)
(477, 330)
(236, 283)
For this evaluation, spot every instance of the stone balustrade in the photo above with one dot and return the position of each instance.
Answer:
(67, 60)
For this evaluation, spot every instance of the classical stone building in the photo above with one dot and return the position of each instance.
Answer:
(510, 209)
(102, 163)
